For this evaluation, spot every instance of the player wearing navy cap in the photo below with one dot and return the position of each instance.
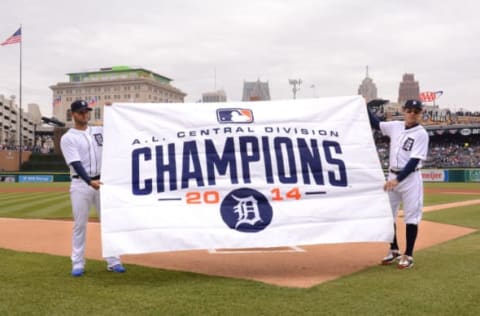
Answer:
(408, 148)
(82, 149)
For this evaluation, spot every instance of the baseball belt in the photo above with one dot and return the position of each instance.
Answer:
(91, 178)
(398, 171)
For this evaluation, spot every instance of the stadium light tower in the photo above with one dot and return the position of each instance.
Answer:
(295, 83)
(314, 89)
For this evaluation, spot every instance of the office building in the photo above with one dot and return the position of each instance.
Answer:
(215, 96)
(256, 91)
(112, 84)
(10, 135)
(367, 88)
(409, 88)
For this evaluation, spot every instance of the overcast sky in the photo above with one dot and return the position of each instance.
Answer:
(326, 43)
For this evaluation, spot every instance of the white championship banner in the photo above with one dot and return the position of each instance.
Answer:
(181, 176)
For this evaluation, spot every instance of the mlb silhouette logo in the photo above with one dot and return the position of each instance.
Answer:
(235, 115)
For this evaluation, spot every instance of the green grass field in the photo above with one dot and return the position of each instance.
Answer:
(445, 280)
(49, 201)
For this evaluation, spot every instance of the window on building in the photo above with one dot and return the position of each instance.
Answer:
(97, 114)
(69, 115)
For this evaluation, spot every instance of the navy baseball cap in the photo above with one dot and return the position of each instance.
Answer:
(80, 106)
(413, 104)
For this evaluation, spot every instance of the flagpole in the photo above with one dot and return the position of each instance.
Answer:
(20, 101)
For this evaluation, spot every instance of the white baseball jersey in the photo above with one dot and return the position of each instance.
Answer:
(84, 146)
(405, 143)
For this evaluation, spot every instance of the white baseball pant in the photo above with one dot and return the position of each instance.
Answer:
(410, 192)
(83, 197)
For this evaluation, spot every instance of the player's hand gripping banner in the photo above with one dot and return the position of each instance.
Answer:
(181, 176)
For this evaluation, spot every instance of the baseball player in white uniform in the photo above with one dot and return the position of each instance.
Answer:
(82, 149)
(408, 148)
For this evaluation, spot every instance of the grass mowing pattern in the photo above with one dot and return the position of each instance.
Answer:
(432, 199)
(467, 216)
(51, 203)
(35, 205)
(444, 281)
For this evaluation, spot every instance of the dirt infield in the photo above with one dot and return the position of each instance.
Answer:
(451, 191)
(301, 266)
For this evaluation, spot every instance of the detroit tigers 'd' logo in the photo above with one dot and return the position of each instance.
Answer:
(99, 139)
(246, 210)
(408, 144)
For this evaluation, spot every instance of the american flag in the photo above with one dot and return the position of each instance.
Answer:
(430, 96)
(57, 100)
(92, 102)
(15, 38)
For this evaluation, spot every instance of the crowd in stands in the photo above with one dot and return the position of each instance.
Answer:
(445, 151)
(437, 117)
(468, 113)
(43, 144)
(453, 154)
(445, 117)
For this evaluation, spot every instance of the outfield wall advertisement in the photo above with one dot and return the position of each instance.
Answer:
(35, 178)
(473, 175)
(434, 175)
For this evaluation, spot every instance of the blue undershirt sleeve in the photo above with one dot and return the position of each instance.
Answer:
(409, 168)
(77, 166)
(374, 121)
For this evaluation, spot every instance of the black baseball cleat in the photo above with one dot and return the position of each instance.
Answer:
(391, 257)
